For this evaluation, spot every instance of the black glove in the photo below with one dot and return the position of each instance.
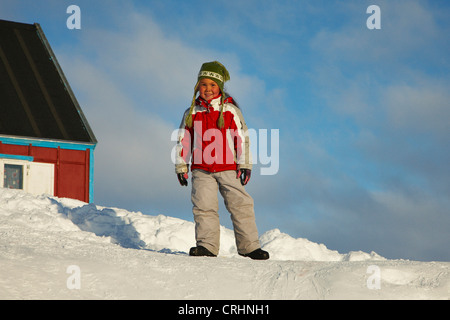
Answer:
(244, 174)
(182, 178)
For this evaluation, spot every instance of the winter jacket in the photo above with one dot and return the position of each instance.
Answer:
(204, 146)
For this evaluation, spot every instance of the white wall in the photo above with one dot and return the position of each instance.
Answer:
(37, 178)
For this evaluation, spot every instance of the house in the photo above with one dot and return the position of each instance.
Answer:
(46, 143)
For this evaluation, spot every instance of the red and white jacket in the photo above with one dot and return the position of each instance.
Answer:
(204, 146)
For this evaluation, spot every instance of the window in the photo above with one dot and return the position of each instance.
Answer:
(13, 176)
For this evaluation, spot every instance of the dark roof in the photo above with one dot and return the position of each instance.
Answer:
(35, 98)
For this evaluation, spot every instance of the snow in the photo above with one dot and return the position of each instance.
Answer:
(54, 248)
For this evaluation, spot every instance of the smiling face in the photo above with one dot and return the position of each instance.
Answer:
(208, 89)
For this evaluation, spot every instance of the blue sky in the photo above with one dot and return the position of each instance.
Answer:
(363, 115)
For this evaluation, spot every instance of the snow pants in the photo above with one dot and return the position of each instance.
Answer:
(239, 203)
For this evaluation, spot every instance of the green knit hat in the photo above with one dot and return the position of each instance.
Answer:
(218, 73)
(214, 71)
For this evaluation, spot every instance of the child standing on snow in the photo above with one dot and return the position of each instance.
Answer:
(213, 139)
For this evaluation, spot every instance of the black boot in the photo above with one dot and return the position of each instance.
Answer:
(258, 254)
(200, 251)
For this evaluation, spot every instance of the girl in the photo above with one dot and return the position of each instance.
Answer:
(213, 139)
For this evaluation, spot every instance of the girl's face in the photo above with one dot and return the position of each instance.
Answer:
(208, 89)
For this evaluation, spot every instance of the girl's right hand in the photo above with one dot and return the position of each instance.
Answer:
(182, 178)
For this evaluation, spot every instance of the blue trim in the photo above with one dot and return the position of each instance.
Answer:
(91, 176)
(48, 143)
(15, 157)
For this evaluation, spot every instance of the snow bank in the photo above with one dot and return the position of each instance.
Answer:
(129, 255)
(158, 233)
(283, 247)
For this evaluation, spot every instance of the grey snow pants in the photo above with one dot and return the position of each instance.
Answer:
(238, 202)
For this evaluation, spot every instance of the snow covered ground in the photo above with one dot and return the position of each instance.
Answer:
(52, 248)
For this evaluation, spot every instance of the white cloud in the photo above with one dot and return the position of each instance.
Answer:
(407, 27)
(422, 108)
(387, 80)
